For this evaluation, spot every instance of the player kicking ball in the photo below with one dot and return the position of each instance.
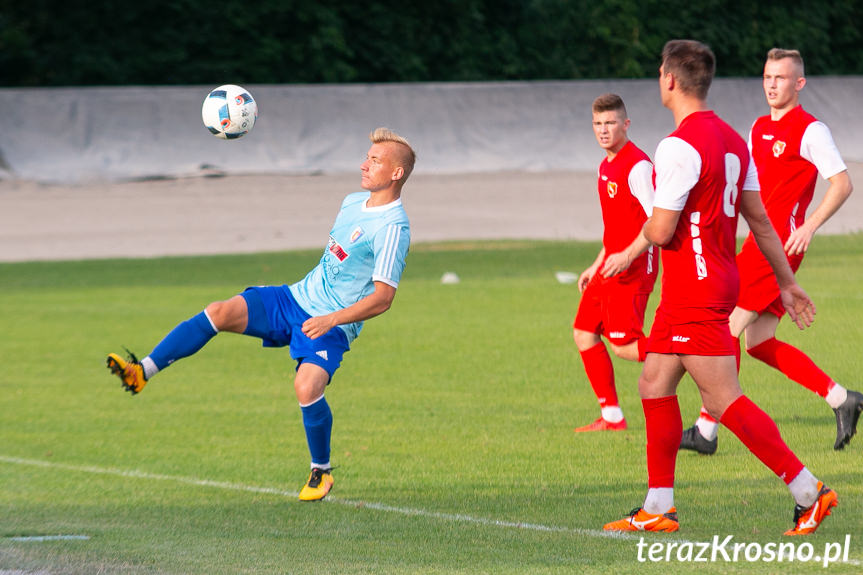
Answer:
(319, 316)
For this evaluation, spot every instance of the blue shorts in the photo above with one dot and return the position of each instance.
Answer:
(276, 318)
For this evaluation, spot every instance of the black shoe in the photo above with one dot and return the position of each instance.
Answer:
(693, 440)
(847, 415)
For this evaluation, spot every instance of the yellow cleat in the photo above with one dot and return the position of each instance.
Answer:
(641, 520)
(130, 372)
(807, 520)
(319, 484)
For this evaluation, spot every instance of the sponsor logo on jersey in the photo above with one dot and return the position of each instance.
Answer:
(612, 189)
(778, 148)
(337, 250)
(680, 338)
(767, 137)
(357, 234)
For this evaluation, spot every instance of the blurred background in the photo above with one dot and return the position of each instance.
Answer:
(103, 94)
(180, 42)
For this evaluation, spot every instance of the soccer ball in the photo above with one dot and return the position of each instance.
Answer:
(229, 112)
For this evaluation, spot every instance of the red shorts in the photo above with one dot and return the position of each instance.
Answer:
(612, 309)
(759, 291)
(709, 335)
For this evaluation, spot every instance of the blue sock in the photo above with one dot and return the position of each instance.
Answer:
(318, 421)
(184, 340)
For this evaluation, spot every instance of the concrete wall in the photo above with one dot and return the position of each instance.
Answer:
(71, 135)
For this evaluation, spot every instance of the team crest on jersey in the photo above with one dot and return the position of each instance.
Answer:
(337, 250)
(357, 234)
(778, 148)
(612, 189)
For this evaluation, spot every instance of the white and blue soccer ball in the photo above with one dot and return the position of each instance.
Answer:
(229, 112)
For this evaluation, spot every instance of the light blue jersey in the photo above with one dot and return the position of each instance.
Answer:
(366, 245)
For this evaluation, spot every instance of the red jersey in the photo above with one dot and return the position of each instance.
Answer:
(787, 179)
(626, 196)
(700, 169)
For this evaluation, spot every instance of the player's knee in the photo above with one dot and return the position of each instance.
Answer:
(310, 382)
(228, 315)
(584, 340)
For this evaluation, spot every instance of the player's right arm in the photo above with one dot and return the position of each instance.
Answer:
(659, 229)
(678, 166)
(588, 274)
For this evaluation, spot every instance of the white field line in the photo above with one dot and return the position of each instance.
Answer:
(332, 500)
(40, 538)
(458, 517)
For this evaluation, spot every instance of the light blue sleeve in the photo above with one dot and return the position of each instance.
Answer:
(391, 250)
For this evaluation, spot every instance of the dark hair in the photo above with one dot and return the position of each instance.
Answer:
(609, 103)
(692, 64)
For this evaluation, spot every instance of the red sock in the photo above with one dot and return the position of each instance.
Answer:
(795, 364)
(664, 429)
(600, 373)
(759, 433)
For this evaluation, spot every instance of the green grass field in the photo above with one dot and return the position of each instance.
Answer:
(453, 428)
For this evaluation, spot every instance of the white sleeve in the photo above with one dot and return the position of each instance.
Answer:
(678, 167)
(641, 185)
(751, 182)
(749, 139)
(817, 146)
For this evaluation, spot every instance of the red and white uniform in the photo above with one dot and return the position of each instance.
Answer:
(789, 154)
(615, 306)
(701, 169)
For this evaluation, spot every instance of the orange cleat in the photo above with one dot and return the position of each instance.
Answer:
(603, 425)
(807, 520)
(641, 520)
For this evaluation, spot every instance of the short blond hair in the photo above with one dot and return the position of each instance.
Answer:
(782, 53)
(407, 157)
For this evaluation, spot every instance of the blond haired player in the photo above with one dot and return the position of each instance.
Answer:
(319, 316)
(790, 148)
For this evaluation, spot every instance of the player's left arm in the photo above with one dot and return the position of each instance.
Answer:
(390, 246)
(838, 191)
(817, 146)
(368, 307)
(797, 303)
(620, 261)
